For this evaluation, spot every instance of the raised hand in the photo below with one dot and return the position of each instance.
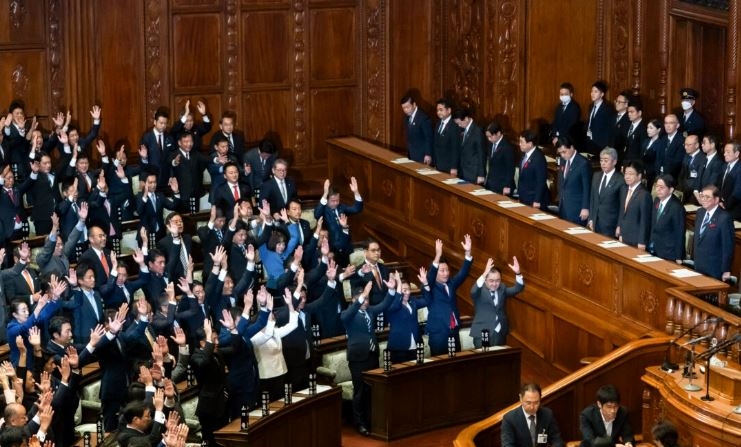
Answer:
(179, 336)
(145, 376)
(34, 337)
(173, 417)
(288, 298)
(515, 266)
(64, 369)
(249, 254)
(101, 148)
(208, 330)
(391, 283)
(331, 270)
(72, 277)
(349, 271)
(466, 244)
(489, 265)
(184, 286)
(159, 399)
(201, 106)
(173, 185)
(343, 219)
(367, 289)
(353, 185)
(298, 253)
(96, 334)
(422, 275)
(248, 299)
(326, 188)
(438, 248)
(143, 152)
(218, 254)
(83, 210)
(74, 359)
(226, 318)
(138, 256)
(186, 109)
(95, 112)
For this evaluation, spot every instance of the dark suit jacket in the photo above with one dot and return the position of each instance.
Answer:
(10, 208)
(84, 316)
(223, 198)
(403, 323)
(730, 190)
(209, 370)
(516, 433)
(270, 191)
(652, 155)
(601, 125)
(105, 217)
(574, 188)
(713, 249)
(358, 334)
(566, 121)
(501, 163)
(620, 134)
(126, 434)
(337, 239)
(692, 125)
(634, 142)
(44, 196)
(151, 218)
(532, 186)
(689, 176)
(487, 315)
(189, 173)
(441, 305)
(419, 135)
(261, 171)
(156, 156)
(671, 160)
(16, 287)
(473, 157)
(199, 129)
(667, 229)
(604, 206)
(592, 426)
(237, 149)
(710, 173)
(446, 147)
(635, 219)
(91, 258)
(174, 268)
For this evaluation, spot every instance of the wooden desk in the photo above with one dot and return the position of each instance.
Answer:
(315, 421)
(707, 424)
(446, 391)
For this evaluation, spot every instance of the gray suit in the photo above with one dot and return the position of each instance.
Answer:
(488, 315)
(604, 206)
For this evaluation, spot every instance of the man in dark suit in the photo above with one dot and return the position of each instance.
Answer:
(86, 304)
(159, 144)
(231, 192)
(212, 235)
(187, 123)
(530, 424)
(566, 115)
(373, 271)
(79, 168)
(82, 145)
(667, 222)
(730, 180)
(634, 215)
(260, 160)
(98, 257)
(621, 124)
(44, 194)
(713, 168)
(120, 289)
(604, 203)
(138, 423)
(209, 369)
(332, 210)
(13, 217)
(690, 121)
(187, 167)
(670, 160)
(489, 296)
(500, 161)
(713, 248)
(362, 349)
(689, 174)
(418, 131)
(446, 144)
(443, 320)
(104, 212)
(158, 280)
(119, 177)
(636, 132)
(472, 157)
(227, 130)
(149, 206)
(595, 420)
(177, 247)
(600, 120)
(22, 282)
(574, 179)
(280, 189)
(532, 187)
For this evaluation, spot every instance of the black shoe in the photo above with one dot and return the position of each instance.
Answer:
(363, 430)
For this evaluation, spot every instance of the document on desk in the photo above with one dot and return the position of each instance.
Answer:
(542, 216)
(684, 273)
(647, 258)
(510, 204)
(257, 413)
(577, 230)
(453, 181)
(319, 389)
(612, 244)
(481, 192)
(428, 171)
(401, 160)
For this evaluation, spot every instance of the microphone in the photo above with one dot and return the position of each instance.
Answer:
(696, 340)
(667, 365)
(721, 346)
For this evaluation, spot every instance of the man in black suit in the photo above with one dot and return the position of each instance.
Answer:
(158, 281)
(446, 145)
(279, 190)
(622, 124)
(689, 174)
(43, 194)
(187, 167)
(670, 160)
(187, 123)
(418, 131)
(634, 215)
(98, 257)
(82, 145)
(333, 211)
(177, 247)
(606, 418)
(566, 115)
(362, 348)
(713, 168)
(13, 217)
(139, 423)
(372, 271)
(667, 222)
(159, 144)
(260, 159)
(104, 212)
(530, 424)
(604, 203)
(78, 168)
(227, 130)
(22, 282)
(209, 369)
(233, 191)
(574, 177)
(532, 186)
(714, 234)
(149, 205)
(472, 157)
(120, 289)
(730, 180)
(690, 121)
(636, 132)
(500, 164)
(212, 235)
(600, 120)
(489, 296)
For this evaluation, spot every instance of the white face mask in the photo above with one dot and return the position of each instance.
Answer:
(686, 105)
(565, 99)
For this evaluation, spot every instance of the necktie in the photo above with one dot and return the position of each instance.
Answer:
(627, 197)
(11, 194)
(104, 262)
(494, 149)
(187, 155)
(159, 141)
(494, 297)
(566, 168)
(183, 256)
(152, 198)
(632, 129)
(236, 193)
(725, 174)
(126, 293)
(107, 205)
(88, 182)
(594, 112)
(523, 162)
(603, 183)
(29, 280)
(369, 323)
(283, 193)
(203, 310)
(231, 143)
(376, 274)
(91, 299)
(705, 222)
(533, 429)
(689, 162)
(441, 127)
(661, 210)
(219, 236)
(465, 133)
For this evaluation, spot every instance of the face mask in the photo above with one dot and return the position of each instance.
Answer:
(686, 105)
(565, 98)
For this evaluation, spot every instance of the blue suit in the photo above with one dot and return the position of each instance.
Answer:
(157, 156)
(441, 306)
(667, 230)
(532, 186)
(84, 315)
(573, 191)
(713, 251)
(419, 136)
(404, 327)
(339, 242)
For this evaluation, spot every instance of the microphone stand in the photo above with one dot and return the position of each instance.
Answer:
(709, 355)
(690, 372)
(668, 366)
(707, 397)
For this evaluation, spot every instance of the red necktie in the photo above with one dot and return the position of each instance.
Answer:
(105, 264)
(236, 193)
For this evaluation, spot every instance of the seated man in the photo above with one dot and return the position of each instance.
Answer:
(530, 424)
(606, 418)
(665, 434)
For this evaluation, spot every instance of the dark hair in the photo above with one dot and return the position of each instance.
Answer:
(735, 145)
(461, 114)
(494, 128)
(83, 268)
(16, 104)
(266, 146)
(713, 190)
(172, 216)
(636, 103)
(133, 410)
(12, 436)
(228, 114)
(666, 433)
(15, 304)
(635, 164)
(161, 112)
(567, 85)
(657, 124)
(529, 136)
(608, 393)
(530, 387)
(220, 138)
(185, 133)
(600, 85)
(67, 182)
(366, 243)
(154, 253)
(56, 323)
(407, 99)
(229, 164)
(445, 102)
(713, 139)
(668, 180)
(564, 141)
(276, 237)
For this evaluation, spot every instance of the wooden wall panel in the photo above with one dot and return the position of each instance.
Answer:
(267, 113)
(430, 206)
(213, 109)
(593, 276)
(196, 66)
(194, 3)
(528, 323)
(333, 112)
(333, 55)
(538, 253)
(651, 86)
(266, 60)
(648, 301)
(22, 22)
(484, 227)
(390, 188)
(26, 77)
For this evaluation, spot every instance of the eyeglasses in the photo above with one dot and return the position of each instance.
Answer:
(706, 196)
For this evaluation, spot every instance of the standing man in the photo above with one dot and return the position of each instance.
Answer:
(713, 248)
(234, 138)
(187, 167)
(446, 147)
(444, 318)
(690, 122)
(670, 160)
(713, 168)
(689, 175)
(532, 186)
(604, 204)
(158, 144)
(489, 298)
(600, 120)
(566, 115)
(636, 132)
(667, 222)
(574, 177)
(530, 425)
(730, 181)
(471, 164)
(187, 123)
(280, 189)
(634, 218)
(500, 164)
(622, 124)
(418, 130)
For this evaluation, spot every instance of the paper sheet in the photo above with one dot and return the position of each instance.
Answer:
(541, 216)
(402, 160)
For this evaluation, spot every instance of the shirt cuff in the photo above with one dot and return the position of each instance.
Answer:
(159, 416)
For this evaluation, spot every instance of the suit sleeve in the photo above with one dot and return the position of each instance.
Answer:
(509, 439)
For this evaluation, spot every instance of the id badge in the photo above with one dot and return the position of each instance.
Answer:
(589, 134)
(543, 438)
(693, 174)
